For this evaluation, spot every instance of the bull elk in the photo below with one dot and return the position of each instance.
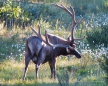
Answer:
(45, 48)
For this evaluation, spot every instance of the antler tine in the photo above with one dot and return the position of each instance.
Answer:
(47, 41)
(64, 8)
(38, 34)
(34, 31)
(73, 14)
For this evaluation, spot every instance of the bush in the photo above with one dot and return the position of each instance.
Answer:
(98, 36)
(11, 46)
(104, 65)
(89, 6)
(63, 79)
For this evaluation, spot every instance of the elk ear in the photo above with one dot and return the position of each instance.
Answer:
(69, 38)
(74, 46)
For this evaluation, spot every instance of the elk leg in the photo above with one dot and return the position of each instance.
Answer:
(37, 68)
(51, 68)
(27, 60)
(54, 70)
(53, 64)
(41, 59)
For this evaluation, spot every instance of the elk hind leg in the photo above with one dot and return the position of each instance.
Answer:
(37, 68)
(27, 60)
(41, 59)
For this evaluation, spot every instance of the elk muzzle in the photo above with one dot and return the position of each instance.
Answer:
(75, 52)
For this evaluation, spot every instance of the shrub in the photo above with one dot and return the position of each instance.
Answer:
(63, 79)
(104, 65)
(98, 36)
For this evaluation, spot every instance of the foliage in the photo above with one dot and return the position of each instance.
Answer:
(19, 14)
(104, 65)
(89, 6)
(63, 78)
(11, 45)
(98, 36)
(12, 14)
(8, 10)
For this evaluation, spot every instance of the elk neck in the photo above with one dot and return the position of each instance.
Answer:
(57, 40)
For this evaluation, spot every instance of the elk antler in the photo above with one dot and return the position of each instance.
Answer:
(47, 41)
(38, 33)
(72, 14)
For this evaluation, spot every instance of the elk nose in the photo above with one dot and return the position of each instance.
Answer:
(79, 56)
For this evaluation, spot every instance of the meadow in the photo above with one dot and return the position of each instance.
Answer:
(71, 71)
(16, 18)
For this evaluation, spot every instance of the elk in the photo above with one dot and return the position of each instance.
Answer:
(45, 48)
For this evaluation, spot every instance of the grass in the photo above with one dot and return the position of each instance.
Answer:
(11, 73)
(79, 72)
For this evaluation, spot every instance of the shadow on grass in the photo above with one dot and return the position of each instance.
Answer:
(32, 84)
(89, 83)
(56, 84)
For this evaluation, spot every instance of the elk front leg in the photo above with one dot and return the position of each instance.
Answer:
(53, 68)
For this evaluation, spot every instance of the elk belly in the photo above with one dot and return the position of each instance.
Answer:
(34, 59)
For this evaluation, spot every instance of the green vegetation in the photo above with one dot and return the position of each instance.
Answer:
(98, 36)
(15, 20)
(16, 14)
(104, 65)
